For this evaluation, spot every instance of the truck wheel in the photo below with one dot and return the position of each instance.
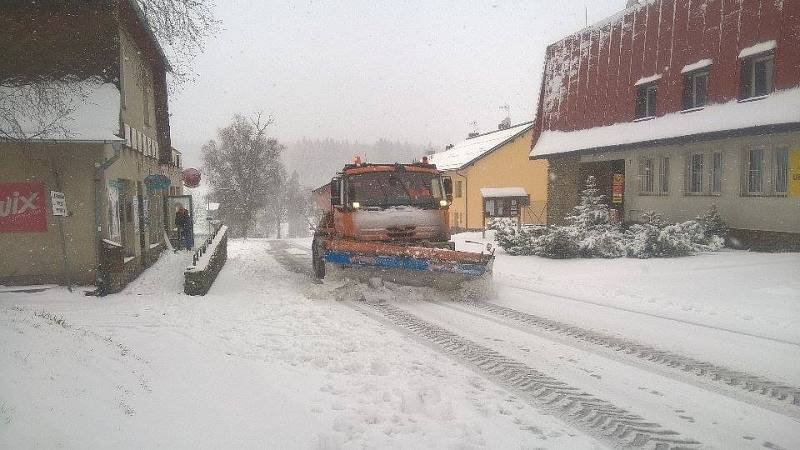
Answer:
(318, 258)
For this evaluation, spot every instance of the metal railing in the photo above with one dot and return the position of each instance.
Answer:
(204, 247)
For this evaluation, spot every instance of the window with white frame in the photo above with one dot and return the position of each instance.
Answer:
(754, 176)
(696, 167)
(756, 76)
(646, 165)
(663, 175)
(716, 172)
(695, 89)
(646, 100)
(781, 176)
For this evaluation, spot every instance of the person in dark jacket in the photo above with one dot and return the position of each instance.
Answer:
(183, 222)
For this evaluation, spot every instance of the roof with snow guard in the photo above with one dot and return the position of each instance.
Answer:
(473, 149)
(779, 108)
(503, 192)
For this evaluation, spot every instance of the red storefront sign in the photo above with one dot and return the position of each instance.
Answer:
(22, 207)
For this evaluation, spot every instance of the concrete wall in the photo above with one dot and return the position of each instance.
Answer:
(769, 212)
(508, 166)
(34, 257)
(564, 185)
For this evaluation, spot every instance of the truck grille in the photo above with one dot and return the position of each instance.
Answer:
(401, 233)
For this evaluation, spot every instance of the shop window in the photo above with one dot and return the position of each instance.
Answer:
(696, 166)
(695, 89)
(663, 175)
(716, 173)
(781, 178)
(756, 76)
(755, 171)
(646, 101)
(646, 175)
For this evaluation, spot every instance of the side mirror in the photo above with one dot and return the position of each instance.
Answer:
(336, 192)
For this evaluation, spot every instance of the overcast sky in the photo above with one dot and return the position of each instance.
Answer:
(417, 71)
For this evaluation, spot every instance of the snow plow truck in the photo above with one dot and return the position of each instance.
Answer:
(392, 218)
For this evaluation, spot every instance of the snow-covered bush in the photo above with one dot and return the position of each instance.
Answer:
(655, 238)
(713, 224)
(515, 240)
(558, 243)
(590, 233)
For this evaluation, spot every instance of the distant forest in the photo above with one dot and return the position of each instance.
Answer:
(317, 160)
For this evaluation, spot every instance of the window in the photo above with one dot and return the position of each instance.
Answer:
(146, 93)
(716, 173)
(459, 189)
(696, 174)
(646, 175)
(756, 76)
(663, 175)
(646, 101)
(781, 171)
(123, 72)
(755, 171)
(695, 89)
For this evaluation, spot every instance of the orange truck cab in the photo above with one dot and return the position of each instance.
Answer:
(388, 216)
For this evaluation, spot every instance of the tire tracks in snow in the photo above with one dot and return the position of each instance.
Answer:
(644, 313)
(595, 416)
(753, 384)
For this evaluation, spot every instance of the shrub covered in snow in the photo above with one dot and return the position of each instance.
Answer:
(590, 233)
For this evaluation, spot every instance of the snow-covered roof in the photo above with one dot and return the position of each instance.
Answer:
(475, 148)
(94, 114)
(761, 47)
(648, 80)
(702, 64)
(148, 28)
(782, 107)
(503, 192)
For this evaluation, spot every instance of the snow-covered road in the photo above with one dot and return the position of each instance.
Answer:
(561, 354)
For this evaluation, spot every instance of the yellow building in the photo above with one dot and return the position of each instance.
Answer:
(491, 172)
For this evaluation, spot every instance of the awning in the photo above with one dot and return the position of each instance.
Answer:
(503, 192)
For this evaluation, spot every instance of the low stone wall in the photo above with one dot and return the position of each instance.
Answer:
(199, 278)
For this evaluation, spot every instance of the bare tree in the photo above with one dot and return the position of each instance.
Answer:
(243, 166)
(39, 110)
(182, 28)
(41, 82)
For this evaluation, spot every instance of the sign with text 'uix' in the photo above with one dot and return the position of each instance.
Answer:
(22, 207)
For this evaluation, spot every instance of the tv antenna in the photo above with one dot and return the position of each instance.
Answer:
(474, 125)
(507, 109)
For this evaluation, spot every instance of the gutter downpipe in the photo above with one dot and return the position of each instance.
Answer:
(466, 197)
(100, 168)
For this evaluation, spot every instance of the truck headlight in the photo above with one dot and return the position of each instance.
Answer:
(443, 203)
(356, 205)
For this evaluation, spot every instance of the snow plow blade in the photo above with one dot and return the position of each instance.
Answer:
(411, 259)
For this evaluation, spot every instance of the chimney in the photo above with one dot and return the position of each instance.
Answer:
(448, 147)
(505, 124)
(473, 134)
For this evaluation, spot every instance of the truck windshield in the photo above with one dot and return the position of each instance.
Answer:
(385, 189)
